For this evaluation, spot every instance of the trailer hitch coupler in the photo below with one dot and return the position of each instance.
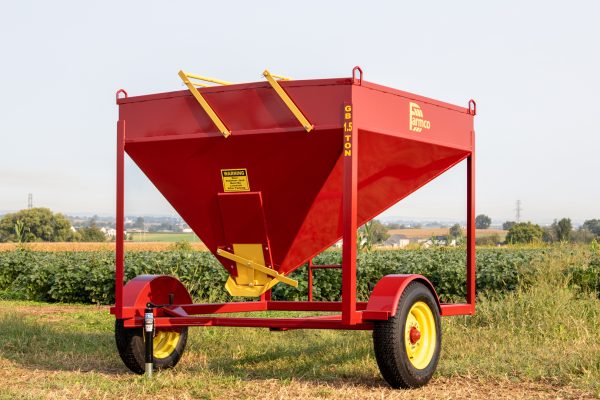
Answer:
(149, 341)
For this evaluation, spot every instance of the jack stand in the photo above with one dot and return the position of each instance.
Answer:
(149, 340)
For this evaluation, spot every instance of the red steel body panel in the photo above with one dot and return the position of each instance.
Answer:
(245, 109)
(120, 219)
(349, 215)
(301, 200)
(327, 322)
(384, 298)
(307, 190)
(243, 221)
(309, 270)
(188, 175)
(451, 309)
(471, 279)
(150, 288)
(240, 307)
(311, 305)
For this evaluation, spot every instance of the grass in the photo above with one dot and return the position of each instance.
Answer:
(543, 331)
(540, 341)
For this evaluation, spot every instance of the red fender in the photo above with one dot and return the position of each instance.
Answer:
(152, 288)
(383, 301)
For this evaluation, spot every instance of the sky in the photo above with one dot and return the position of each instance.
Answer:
(533, 68)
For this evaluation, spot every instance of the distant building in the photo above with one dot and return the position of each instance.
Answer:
(437, 241)
(397, 240)
(109, 232)
(187, 230)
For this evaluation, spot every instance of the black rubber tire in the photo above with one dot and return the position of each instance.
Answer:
(130, 343)
(388, 340)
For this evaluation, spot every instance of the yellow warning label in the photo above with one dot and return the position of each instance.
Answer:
(235, 180)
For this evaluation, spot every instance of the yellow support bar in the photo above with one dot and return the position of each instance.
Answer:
(281, 77)
(258, 267)
(203, 103)
(287, 100)
(207, 79)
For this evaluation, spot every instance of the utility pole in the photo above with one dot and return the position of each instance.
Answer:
(30, 200)
(518, 210)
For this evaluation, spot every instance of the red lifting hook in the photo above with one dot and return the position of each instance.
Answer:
(359, 69)
(119, 92)
(472, 107)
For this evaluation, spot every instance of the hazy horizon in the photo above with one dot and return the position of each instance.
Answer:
(384, 217)
(531, 67)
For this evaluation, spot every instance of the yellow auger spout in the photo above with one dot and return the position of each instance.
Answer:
(253, 277)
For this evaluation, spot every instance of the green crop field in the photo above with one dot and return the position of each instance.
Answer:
(163, 237)
(539, 339)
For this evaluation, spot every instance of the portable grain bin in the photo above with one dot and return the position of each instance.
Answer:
(268, 175)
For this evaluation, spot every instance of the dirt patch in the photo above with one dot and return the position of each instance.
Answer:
(71, 385)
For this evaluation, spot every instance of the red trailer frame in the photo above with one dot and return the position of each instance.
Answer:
(350, 313)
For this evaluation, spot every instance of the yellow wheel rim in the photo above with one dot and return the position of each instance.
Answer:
(165, 343)
(420, 336)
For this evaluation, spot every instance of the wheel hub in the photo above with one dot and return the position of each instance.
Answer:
(415, 335)
(420, 335)
(165, 343)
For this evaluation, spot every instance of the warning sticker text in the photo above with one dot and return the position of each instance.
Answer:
(235, 180)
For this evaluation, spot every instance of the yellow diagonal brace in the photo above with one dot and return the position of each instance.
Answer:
(281, 77)
(288, 101)
(258, 267)
(207, 79)
(207, 108)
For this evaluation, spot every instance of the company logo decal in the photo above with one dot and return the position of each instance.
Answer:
(416, 122)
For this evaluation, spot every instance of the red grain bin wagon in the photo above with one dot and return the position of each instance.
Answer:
(268, 175)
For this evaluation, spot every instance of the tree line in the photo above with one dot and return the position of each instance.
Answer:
(42, 225)
(560, 231)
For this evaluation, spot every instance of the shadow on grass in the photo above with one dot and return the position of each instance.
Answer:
(307, 358)
(55, 347)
